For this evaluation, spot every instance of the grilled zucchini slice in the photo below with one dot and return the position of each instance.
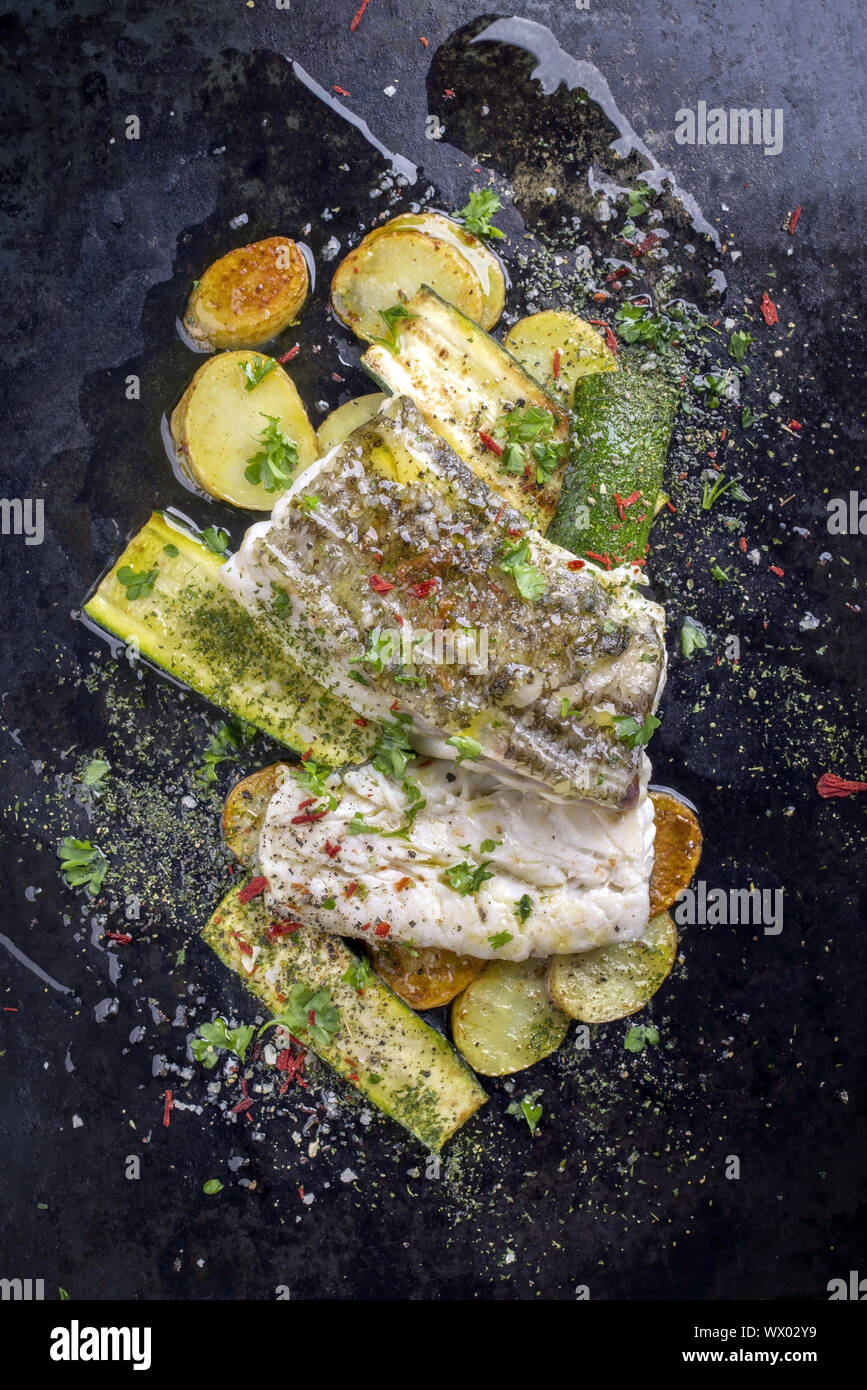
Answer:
(248, 296)
(480, 256)
(388, 267)
(191, 627)
(217, 426)
(397, 1061)
(463, 382)
(347, 417)
(613, 982)
(504, 1021)
(557, 348)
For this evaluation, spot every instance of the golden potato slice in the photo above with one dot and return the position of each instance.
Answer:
(557, 348)
(389, 267)
(612, 982)
(480, 256)
(347, 417)
(218, 423)
(424, 978)
(676, 850)
(504, 1020)
(249, 295)
(244, 810)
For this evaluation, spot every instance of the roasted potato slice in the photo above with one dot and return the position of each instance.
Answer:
(389, 267)
(424, 978)
(347, 417)
(676, 850)
(504, 1020)
(217, 426)
(480, 256)
(557, 348)
(248, 296)
(244, 810)
(612, 982)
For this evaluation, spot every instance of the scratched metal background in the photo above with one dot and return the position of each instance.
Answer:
(763, 1039)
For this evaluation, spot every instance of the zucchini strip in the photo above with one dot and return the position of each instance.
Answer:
(191, 627)
(401, 1064)
(621, 432)
(463, 381)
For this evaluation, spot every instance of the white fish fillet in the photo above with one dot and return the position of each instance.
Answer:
(586, 868)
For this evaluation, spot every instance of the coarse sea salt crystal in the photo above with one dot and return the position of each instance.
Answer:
(348, 1176)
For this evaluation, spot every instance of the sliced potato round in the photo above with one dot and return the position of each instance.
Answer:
(504, 1021)
(218, 423)
(249, 295)
(244, 810)
(480, 256)
(347, 417)
(612, 982)
(537, 340)
(425, 978)
(676, 850)
(391, 266)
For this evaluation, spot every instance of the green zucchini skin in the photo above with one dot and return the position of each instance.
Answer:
(621, 434)
(392, 1056)
(191, 627)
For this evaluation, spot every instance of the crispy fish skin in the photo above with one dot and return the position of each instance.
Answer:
(403, 534)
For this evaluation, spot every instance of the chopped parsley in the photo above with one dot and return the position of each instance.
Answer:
(273, 466)
(476, 215)
(638, 1035)
(527, 1109)
(255, 370)
(468, 748)
(216, 1038)
(309, 1013)
(633, 734)
(531, 429)
(638, 323)
(639, 200)
(215, 539)
(693, 638)
(94, 774)
(720, 575)
(393, 751)
(738, 344)
(502, 938)
(359, 973)
(82, 864)
(488, 846)
(138, 583)
(715, 487)
(308, 502)
(212, 1186)
(171, 550)
(530, 581)
(465, 879)
(393, 318)
(567, 709)
(279, 598)
(523, 907)
(231, 737)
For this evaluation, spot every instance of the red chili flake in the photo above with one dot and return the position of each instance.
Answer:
(332, 850)
(646, 245)
(311, 1017)
(361, 722)
(278, 929)
(618, 502)
(711, 453)
(618, 274)
(253, 889)
(121, 937)
(575, 565)
(380, 586)
(395, 705)
(341, 91)
(350, 889)
(242, 1105)
(609, 336)
(287, 356)
(307, 755)
(8, 1009)
(723, 433)
(631, 499)
(793, 220)
(422, 39)
(307, 818)
(301, 1193)
(829, 784)
(423, 588)
(491, 443)
(642, 517)
(743, 544)
(246, 950)
(302, 805)
(638, 562)
(402, 883)
(301, 887)
(557, 363)
(769, 310)
(515, 531)
(794, 424)
(602, 559)
(358, 16)
(775, 569)
(365, 926)
(353, 1076)
(448, 93)
(599, 297)
(671, 506)
(382, 929)
(168, 1108)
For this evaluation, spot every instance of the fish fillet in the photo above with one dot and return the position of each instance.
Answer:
(584, 868)
(390, 548)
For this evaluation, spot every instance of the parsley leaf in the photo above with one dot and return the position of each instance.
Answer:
(465, 879)
(308, 1013)
(273, 466)
(359, 973)
(393, 751)
(738, 344)
(530, 581)
(138, 583)
(483, 204)
(392, 318)
(468, 748)
(716, 486)
(309, 502)
(639, 200)
(527, 1109)
(215, 539)
(82, 865)
(255, 370)
(212, 1186)
(693, 638)
(488, 846)
(502, 938)
(720, 575)
(633, 734)
(214, 1038)
(225, 745)
(523, 907)
(531, 428)
(94, 773)
(638, 1035)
